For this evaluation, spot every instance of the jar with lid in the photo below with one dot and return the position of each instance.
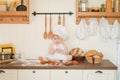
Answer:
(83, 4)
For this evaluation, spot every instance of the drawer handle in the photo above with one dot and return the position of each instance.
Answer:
(66, 72)
(1, 71)
(98, 72)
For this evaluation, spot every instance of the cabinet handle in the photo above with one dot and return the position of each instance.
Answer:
(33, 71)
(66, 72)
(1, 71)
(98, 72)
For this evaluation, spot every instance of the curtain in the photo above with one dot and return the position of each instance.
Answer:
(118, 54)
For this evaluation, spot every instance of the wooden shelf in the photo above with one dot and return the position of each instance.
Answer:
(99, 14)
(86, 15)
(15, 17)
(6, 61)
(13, 14)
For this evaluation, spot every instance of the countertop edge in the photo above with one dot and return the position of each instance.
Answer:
(105, 65)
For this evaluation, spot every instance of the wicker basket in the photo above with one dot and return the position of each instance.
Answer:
(94, 60)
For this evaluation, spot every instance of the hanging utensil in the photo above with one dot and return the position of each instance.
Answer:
(63, 20)
(45, 33)
(59, 20)
(21, 7)
(50, 35)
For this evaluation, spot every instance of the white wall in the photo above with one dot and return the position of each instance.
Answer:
(28, 38)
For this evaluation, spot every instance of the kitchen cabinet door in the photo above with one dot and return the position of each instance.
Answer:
(33, 74)
(65, 75)
(8, 74)
(58, 75)
(99, 75)
(75, 75)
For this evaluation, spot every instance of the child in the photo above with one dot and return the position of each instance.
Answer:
(58, 50)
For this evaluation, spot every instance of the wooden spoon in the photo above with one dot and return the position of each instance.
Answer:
(45, 33)
(59, 20)
(50, 35)
(63, 20)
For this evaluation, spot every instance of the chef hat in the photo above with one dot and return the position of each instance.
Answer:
(61, 31)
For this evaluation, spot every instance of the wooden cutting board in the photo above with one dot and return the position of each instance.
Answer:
(6, 61)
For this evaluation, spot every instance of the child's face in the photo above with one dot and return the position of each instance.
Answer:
(57, 39)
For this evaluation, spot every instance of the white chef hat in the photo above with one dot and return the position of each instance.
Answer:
(61, 31)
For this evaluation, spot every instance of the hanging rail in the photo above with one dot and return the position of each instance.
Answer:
(56, 13)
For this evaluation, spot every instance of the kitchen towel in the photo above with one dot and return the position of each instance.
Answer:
(115, 30)
(104, 29)
(82, 30)
(93, 26)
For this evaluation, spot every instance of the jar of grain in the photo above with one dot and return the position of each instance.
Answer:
(83, 5)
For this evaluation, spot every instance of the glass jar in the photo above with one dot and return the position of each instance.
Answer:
(3, 5)
(102, 7)
(116, 6)
(83, 5)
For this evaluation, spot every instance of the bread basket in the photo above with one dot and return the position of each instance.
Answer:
(94, 60)
(77, 54)
(94, 57)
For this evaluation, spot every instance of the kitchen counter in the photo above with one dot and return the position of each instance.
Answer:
(105, 64)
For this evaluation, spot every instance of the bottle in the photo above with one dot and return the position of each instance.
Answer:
(3, 55)
(116, 5)
(119, 5)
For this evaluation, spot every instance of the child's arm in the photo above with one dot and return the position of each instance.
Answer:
(51, 50)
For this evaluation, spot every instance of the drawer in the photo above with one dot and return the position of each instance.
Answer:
(99, 75)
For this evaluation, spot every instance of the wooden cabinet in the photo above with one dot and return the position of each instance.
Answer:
(57, 74)
(83, 75)
(99, 75)
(15, 17)
(33, 74)
(111, 16)
(66, 75)
(8, 74)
